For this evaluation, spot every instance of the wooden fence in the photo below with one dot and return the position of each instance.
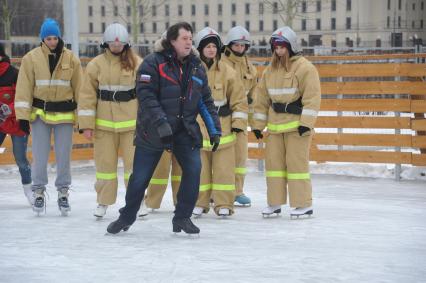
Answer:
(351, 87)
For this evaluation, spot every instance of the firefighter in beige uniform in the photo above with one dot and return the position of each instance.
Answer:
(287, 101)
(237, 44)
(217, 174)
(46, 95)
(107, 111)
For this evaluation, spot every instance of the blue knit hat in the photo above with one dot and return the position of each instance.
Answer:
(49, 27)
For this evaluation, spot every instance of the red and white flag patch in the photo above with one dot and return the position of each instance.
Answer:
(145, 78)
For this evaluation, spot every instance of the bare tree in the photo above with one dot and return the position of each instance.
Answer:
(8, 12)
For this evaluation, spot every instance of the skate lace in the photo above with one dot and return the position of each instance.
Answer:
(46, 195)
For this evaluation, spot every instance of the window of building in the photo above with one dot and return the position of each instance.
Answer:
(193, 10)
(233, 8)
(414, 6)
(275, 8)
(206, 9)
(421, 24)
(206, 24)
(141, 28)
(129, 11)
(166, 10)
(233, 24)
(247, 8)
(333, 5)
(260, 25)
(261, 8)
(275, 25)
(348, 23)
(318, 24)
(304, 7)
(154, 27)
(180, 10)
(219, 9)
(389, 4)
(129, 28)
(90, 27)
(333, 23)
(422, 6)
(388, 22)
(399, 4)
(399, 21)
(318, 6)
(248, 26)
(103, 27)
(115, 11)
(303, 24)
(90, 11)
(140, 11)
(103, 11)
(220, 26)
(412, 24)
(333, 43)
(193, 26)
(166, 25)
(348, 5)
(154, 10)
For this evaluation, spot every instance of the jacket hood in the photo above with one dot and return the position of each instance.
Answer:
(158, 47)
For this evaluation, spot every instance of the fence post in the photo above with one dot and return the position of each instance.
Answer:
(339, 113)
(397, 132)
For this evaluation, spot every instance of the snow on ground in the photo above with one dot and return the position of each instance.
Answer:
(363, 230)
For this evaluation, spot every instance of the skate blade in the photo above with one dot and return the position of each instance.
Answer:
(185, 235)
(142, 215)
(271, 215)
(197, 215)
(64, 211)
(98, 218)
(237, 204)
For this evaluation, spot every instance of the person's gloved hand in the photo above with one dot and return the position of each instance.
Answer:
(214, 141)
(258, 134)
(24, 125)
(302, 130)
(236, 130)
(166, 135)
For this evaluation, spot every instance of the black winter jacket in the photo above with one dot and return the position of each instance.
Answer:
(173, 92)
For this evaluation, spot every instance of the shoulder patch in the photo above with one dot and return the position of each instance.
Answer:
(145, 78)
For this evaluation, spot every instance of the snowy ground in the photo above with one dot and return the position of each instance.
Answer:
(363, 230)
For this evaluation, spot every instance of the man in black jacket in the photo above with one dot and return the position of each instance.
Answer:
(172, 89)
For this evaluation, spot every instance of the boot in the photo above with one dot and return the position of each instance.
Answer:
(63, 205)
(270, 210)
(184, 224)
(116, 226)
(242, 200)
(198, 211)
(224, 212)
(100, 211)
(299, 211)
(39, 202)
(29, 193)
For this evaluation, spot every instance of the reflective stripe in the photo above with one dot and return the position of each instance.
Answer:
(52, 83)
(127, 175)
(206, 187)
(116, 125)
(298, 176)
(260, 116)
(22, 104)
(222, 187)
(240, 170)
(52, 117)
(218, 103)
(176, 178)
(276, 174)
(239, 115)
(280, 91)
(309, 112)
(283, 127)
(115, 87)
(223, 140)
(154, 181)
(106, 176)
(86, 113)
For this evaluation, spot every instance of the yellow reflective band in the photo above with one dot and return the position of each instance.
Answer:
(115, 125)
(276, 174)
(283, 127)
(154, 181)
(205, 187)
(221, 187)
(127, 176)
(241, 170)
(106, 176)
(223, 140)
(298, 176)
(176, 178)
(57, 116)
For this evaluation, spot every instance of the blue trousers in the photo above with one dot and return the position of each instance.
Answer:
(19, 144)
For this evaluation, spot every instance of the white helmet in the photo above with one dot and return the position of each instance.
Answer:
(116, 32)
(238, 34)
(288, 35)
(205, 33)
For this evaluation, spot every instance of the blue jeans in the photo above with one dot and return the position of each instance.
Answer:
(20, 153)
(144, 163)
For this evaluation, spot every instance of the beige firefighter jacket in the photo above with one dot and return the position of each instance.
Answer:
(301, 80)
(226, 89)
(35, 81)
(104, 72)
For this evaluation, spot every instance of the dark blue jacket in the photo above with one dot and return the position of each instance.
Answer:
(173, 92)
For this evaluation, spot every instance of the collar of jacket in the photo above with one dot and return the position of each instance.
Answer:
(46, 50)
(170, 54)
(234, 58)
(111, 57)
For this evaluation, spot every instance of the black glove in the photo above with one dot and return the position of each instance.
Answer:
(214, 141)
(292, 108)
(236, 130)
(302, 130)
(166, 135)
(258, 134)
(24, 125)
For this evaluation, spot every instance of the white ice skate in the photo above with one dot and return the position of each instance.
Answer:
(274, 210)
(198, 211)
(63, 204)
(224, 212)
(39, 204)
(299, 211)
(100, 211)
(142, 210)
(29, 193)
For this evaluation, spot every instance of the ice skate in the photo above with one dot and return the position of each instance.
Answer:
(28, 193)
(100, 211)
(39, 204)
(300, 211)
(186, 225)
(224, 212)
(242, 201)
(198, 211)
(117, 226)
(142, 210)
(63, 205)
(274, 210)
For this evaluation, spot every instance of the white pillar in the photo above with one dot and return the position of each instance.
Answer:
(70, 8)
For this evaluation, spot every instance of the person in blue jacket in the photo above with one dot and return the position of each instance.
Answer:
(172, 90)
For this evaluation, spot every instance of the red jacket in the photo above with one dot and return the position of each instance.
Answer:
(8, 77)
